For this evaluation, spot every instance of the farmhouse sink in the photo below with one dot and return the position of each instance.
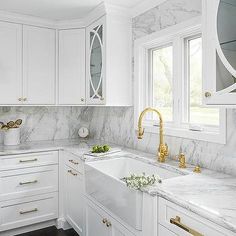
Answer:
(103, 183)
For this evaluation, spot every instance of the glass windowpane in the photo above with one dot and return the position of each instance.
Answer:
(162, 73)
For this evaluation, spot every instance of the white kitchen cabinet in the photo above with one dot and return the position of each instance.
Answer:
(108, 63)
(184, 223)
(162, 231)
(10, 63)
(39, 65)
(27, 65)
(219, 52)
(100, 223)
(74, 206)
(72, 67)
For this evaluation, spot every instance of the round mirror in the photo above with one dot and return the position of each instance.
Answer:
(226, 29)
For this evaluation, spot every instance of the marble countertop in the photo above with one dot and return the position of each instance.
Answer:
(210, 194)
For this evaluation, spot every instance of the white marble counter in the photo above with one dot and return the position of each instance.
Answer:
(210, 194)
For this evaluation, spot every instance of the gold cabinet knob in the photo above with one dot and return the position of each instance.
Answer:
(207, 94)
(108, 224)
(24, 99)
(19, 99)
(104, 221)
(82, 99)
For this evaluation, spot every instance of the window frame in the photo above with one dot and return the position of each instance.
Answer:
(176, 36)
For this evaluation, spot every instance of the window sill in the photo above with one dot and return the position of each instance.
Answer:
(207, 136)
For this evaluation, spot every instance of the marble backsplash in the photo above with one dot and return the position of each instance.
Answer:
(115, 124)
(47, 123)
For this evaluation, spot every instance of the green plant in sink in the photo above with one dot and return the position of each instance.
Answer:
(140, 181)
(100, 149)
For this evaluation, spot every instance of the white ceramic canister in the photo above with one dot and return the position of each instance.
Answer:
(12, 136)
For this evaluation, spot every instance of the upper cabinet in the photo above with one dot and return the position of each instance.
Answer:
(65, 65)
(108, 63)
(27, 65)
(71, 67)
(10, 63)
(96, 62)
(39, 65)
(219, 42)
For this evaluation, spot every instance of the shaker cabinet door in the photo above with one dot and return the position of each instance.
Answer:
(96, 63)
(39, 65)
(10, 63)
(72, 67)
(75, 200)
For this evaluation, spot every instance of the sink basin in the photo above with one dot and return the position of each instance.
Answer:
(103, 183)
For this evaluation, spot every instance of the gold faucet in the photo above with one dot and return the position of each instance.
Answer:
(163, 148)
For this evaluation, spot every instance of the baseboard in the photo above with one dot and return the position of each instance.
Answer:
(29, 228)
(61, 223)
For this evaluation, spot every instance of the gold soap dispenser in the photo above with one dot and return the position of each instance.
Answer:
(182, 160)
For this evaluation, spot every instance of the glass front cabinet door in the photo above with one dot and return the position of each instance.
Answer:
(96, 63)
(219, 48)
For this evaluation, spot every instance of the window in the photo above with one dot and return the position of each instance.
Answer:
(161, 80)
(196, 113)
(168, 76)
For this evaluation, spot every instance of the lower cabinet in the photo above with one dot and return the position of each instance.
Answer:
(162, 231)
(183, 222)
(74, 204)
(100, 223)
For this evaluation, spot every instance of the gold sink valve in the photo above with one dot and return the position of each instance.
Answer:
(182, 161)
(197, 169)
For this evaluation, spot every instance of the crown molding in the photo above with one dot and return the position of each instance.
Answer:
(26, 19)
(99, 11)
(145, 6)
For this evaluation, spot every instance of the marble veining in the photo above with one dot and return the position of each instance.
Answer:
(210, 195)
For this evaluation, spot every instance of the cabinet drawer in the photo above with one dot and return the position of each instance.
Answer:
(29, 181)
(31, 210)
(74, 162)
(28, 160)
(179, 220)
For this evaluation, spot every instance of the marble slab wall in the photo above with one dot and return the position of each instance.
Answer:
(116, 124)
(47, 123)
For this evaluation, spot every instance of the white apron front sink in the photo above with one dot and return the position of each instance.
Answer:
(104, 184)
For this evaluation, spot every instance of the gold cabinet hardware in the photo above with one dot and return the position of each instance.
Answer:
(24, 99)
(29, 211)
(71, 172)
(177, 221)
(29, 182)
(102, 99)
(74, 162)
(104, 221)
(82, 99)
(182, 161)
(30, 160)
(108, 224)
(207, 94)
(20, 99)
(197, 169)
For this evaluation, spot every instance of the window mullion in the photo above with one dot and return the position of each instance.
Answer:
(177, 83)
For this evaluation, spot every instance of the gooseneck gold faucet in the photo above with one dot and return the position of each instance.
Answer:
(163, 148)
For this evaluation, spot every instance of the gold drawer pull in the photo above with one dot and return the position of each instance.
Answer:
(30, 160)
(104, 221)
(74, 162)
(177, 222)
(29, 211)
(29, 182)
(71, 172)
